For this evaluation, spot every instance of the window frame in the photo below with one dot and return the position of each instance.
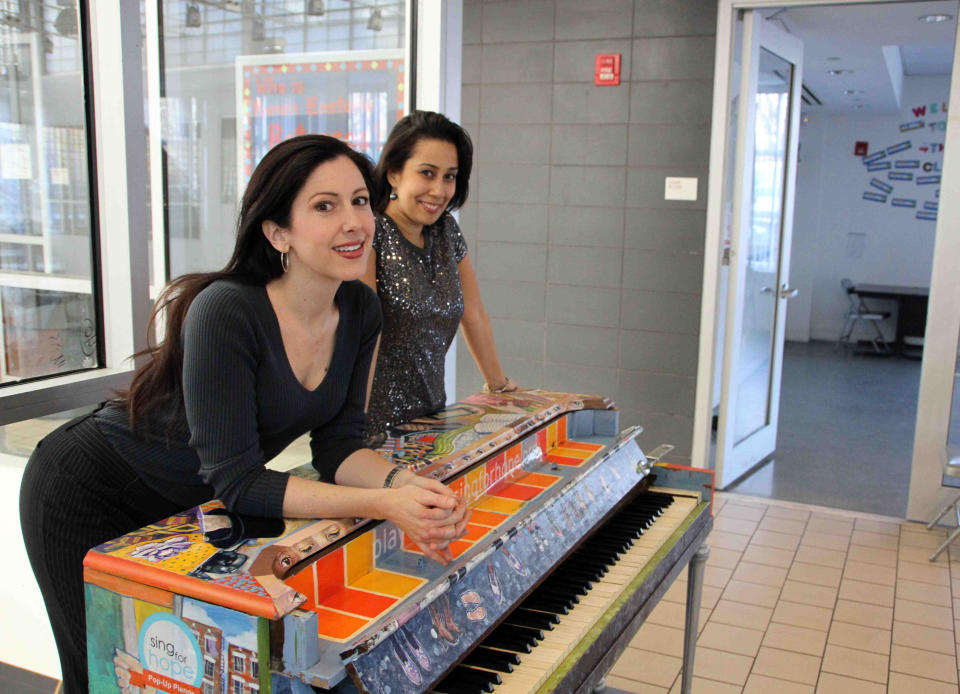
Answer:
(120, 229)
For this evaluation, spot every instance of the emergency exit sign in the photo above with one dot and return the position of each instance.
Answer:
(607, 69)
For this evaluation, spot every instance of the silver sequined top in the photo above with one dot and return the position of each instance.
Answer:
(419, 290)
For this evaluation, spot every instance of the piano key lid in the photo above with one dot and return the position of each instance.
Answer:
(647, 460)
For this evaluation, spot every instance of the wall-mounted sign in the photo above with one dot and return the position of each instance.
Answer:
(607, 69)
(355, 96)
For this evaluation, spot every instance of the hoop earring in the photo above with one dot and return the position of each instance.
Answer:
(393, 195)
(285, 261)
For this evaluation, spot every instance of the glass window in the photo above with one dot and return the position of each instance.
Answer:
(238, 77)
(48, 320)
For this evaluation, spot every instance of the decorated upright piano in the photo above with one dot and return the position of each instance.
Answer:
(574, 536)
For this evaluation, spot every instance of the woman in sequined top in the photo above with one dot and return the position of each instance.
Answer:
(422, 271)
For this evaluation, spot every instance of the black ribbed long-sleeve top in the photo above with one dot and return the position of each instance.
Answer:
(242, 403)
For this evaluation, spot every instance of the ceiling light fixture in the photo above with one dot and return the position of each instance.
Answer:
(935, 18)
(834, 58)
(376, 20)
(193, 18)
(839, 72)
(316, 8)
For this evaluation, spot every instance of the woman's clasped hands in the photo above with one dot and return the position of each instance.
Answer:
(428, 512)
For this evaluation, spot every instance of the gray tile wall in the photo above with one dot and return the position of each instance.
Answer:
(591, 279)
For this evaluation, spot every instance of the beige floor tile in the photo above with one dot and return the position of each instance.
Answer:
(769, 538)
(813, 538)
(786, 665)
(872, 555)
(783, 525)
(809, 594)
(922, 613)
(876, 616)
(877, 527)
(930, 541)
(652, 668)
(821, 557)
(797, 514)
(758, 573)
(787, 637)
(871, 573)
(750, 512)
(699, 685)
(751, 593)
(814, 573)
(924, 573)
(725, 540)
(771, 556)
(724, 667)
(761, 684)
(742, 615)
(735, 525)
(863, 638)
(716, 576)
(676, 593)
(923, 592)
(632, 686)
(878, 540)
(806, 616)
(709, 596)
(870, 593)
(851, 662)
(913, 661)
(673, 614)
(908, 684)
(733, 639)
(659, 639)
(830, 524)
(838, 684)
(921, 555)
(725, 558)
(925, 638)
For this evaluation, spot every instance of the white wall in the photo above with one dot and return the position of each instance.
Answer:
(839, 234)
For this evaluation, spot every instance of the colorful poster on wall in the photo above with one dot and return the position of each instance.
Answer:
(356, 96)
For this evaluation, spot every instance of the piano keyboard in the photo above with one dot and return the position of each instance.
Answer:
(520, 654)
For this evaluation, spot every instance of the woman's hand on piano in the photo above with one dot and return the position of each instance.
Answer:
(429, 514)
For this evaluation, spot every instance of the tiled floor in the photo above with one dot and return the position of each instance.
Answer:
(803, 599)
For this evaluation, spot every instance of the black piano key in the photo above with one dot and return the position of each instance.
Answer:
(448, 685)
(484, 678)
(529, 618)
(562, 588)
(509, 642)
(501, 661)
(521, 631)
(540, 602)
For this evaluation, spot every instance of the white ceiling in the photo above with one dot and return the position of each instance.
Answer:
(852, 37)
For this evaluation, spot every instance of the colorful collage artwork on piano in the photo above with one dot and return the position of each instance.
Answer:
(354, 585)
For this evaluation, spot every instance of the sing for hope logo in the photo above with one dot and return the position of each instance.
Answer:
(168, 647)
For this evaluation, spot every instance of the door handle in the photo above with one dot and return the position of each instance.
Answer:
(766, 290)
(788, 293)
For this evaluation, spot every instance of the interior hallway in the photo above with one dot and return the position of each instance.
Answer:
(845, 438)
(804, 599)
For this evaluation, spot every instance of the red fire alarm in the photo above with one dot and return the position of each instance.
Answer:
(607, 69)
(860, 149)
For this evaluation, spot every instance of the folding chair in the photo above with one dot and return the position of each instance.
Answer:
(859, 311)
(951, 478)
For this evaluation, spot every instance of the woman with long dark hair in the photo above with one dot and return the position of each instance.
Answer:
(422, 271)
(275, 345)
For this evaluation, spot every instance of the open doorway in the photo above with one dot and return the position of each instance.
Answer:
(877, 74)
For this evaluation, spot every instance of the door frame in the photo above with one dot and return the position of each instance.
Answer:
(943, 315)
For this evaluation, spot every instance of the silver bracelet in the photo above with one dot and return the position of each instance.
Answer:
(501, 389)
(388, 480)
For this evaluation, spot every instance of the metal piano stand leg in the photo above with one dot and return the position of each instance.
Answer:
(690, 627)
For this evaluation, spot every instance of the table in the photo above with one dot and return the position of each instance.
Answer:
(911, 312)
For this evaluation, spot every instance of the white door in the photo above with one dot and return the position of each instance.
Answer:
(762, 185)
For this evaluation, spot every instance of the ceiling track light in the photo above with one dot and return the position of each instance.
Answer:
(193, 18)
(316, 8)
(935, 18)
(376, 20)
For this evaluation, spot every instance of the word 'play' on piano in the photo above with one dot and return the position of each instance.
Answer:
(569, 546)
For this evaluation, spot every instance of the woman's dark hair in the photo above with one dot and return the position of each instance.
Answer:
(273, 187)
(409, 130)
